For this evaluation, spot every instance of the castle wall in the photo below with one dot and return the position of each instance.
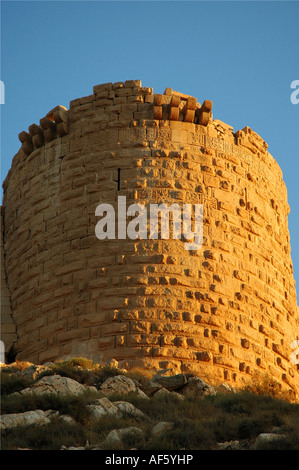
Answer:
(227, 311)
(8, 327)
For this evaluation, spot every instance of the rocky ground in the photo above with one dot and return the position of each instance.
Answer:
(75, 404)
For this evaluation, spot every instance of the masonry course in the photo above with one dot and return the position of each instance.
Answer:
(227, 311)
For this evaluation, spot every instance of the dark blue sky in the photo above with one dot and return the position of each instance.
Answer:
(242, 55)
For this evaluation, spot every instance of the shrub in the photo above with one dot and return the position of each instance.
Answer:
(74, 406)
(266, 385)
(82, 362)
(141, 375)
(13, 383)
(16, 366)
(48, 437)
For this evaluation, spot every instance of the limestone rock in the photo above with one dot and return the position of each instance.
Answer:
(140, 393)
(265, 438)
(113, 363)
(118, 384)
(162, 428)
(57, 385)
(127, 408)
(173, 382)
(103, 407)
(28, 418)
(67, 419)
(232, 445)
(117, 436)
(198, 386)
(151, 387)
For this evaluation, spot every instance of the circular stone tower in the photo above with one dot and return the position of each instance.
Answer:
(226, 311)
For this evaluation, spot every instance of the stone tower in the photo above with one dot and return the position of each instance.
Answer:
(226, 311)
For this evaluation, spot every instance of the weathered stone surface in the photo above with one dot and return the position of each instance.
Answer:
(102, 407)
(118, 384)
(173, 382)
(113, 363)
(265, 438)
(67, 419)
(55, 384)
(127, 408)
(162, 428)
(233, 445)
(28, 418)
(117, 436)
(150, 387)
(141, 394)
(199, 387)
(163, 391)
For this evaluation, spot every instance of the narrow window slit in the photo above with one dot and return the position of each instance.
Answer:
(118, 179)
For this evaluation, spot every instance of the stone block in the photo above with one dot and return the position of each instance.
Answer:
(49, 128)
(204, 118)
(174, 114)
(133, 83)
(207, 106)
(189, 115)
(37, 135)
(102, 87)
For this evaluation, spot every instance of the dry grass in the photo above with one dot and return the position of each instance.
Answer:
(267, 386)
(199, 422)
(18, 366)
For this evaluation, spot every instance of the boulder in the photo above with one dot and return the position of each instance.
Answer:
(113, 363)
(67, 419)
(232, 445)
(117, 436)
(141, 394)
(173, 382)
(28, 418)
(118, 384)
(197, 386)
(127, 408)
(162, 428)
(102, 407)
(151, 387)
(55, 384)
(266, 438)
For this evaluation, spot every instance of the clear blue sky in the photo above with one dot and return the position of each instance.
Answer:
(242, 55)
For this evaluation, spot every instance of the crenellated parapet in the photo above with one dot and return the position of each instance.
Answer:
(175, 106)
(53, 125)
(114, 105)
